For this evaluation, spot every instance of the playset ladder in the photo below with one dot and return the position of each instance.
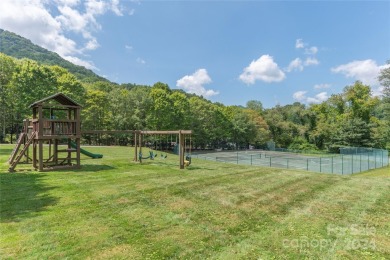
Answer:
(16, 149)
(13, 163)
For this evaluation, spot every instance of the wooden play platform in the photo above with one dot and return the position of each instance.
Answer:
(55, 119)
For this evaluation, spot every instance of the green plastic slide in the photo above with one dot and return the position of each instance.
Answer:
(85, 152)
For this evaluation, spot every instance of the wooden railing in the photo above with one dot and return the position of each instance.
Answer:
(55, 127)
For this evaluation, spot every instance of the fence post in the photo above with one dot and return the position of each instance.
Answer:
(332, 163)
(287, 163)
(352, 163)
(251, 159)
(307, 164)
(342, 164)
(320, 164)
(270, 161)
(382, 158)
(360, 167)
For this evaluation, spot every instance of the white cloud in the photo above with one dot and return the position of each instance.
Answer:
(264, 69)
(321, 86)
(116, 8)
(128, 47)
(321, 97)
(295, 65)
(80, 62)
(311, 61)
(367, 71)
(36, 20)
(311, 51)
(299, 44)
(131, 12)
(301, 97)
(139, 60)
(194, 83)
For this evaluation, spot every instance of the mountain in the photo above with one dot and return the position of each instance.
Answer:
(16, 46)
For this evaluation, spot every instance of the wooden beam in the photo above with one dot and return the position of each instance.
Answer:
(63, 107)
(107, 132)
(169, 132)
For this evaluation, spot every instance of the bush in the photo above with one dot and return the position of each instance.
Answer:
(300, 143)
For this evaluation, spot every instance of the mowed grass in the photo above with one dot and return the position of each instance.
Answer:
(113, 208)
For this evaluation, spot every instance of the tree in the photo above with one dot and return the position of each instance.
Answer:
(180, 111)
(68, 84)
(7, 68)
(30, 82)
(353, 132)
(360, 102)
(255, 105)
(162, 106)
(96, 113)
(384, 79)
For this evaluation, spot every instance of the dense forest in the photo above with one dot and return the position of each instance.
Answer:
(351, 118)
(29, 73)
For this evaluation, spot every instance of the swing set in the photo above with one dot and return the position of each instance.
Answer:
(184, 146)
(184, 156)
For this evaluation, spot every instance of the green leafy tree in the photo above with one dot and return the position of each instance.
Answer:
(96, 113)
(30, 82)
(162, 106)
(7, 68)
(384, 79)
(68, 84)
(255, 105)
(360, 102)
(180, 114)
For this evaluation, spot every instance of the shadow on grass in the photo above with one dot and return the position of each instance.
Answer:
(94, 168)
(192, 168)
(6, 151)
(22, 195)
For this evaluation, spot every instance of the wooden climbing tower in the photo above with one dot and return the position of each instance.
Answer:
(54, 134)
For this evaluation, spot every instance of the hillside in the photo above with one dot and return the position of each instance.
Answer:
(16, 46)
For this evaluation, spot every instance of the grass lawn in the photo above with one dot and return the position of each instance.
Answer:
(114, 208)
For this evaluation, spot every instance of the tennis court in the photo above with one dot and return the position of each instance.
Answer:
(326, 163)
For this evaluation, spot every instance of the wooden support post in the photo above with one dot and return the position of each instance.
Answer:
(26, 155)
(55, 152)
(78, 152)
(135, 147)
(69, 153)
(40, 155)
(181, 149)
(50, 148)
(25, 131)
(40, 122)
(34, 158)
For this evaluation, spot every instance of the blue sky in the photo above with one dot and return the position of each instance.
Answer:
(277, 52)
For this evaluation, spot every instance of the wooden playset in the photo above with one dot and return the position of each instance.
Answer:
(56, 119)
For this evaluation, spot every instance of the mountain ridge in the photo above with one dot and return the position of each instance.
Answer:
(19, 47)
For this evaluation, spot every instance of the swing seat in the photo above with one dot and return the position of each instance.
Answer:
(187, 161)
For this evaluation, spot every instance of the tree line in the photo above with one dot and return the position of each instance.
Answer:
(352, 118)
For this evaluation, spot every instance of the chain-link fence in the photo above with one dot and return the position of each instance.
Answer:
(348, 162)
